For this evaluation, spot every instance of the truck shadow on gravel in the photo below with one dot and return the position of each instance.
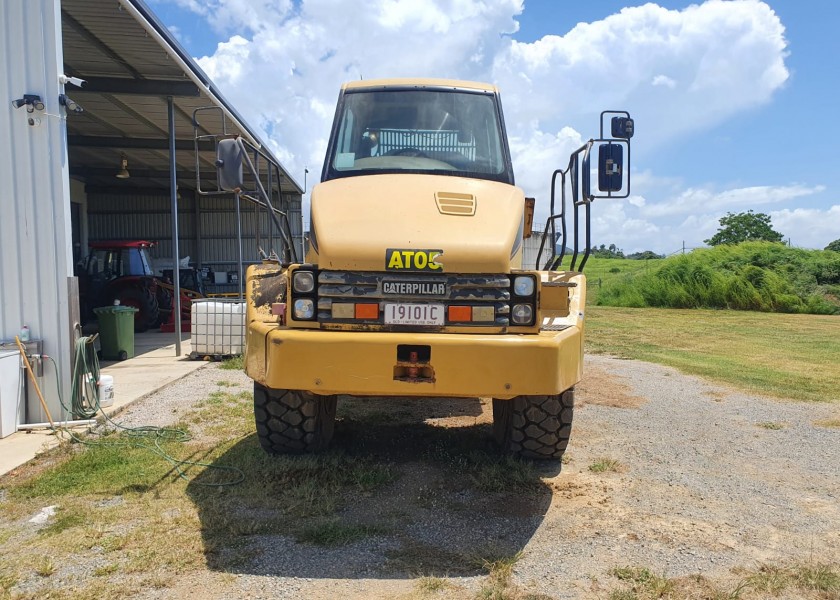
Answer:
(399, 494)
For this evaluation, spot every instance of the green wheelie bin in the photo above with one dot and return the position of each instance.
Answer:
(116, 331)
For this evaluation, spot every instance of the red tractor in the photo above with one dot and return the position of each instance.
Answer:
(121, 270)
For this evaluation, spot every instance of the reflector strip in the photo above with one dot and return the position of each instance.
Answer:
(460, 313)
(483, 313)
(343, 310)
(367, 311)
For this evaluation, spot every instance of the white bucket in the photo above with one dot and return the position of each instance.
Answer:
(106, 391)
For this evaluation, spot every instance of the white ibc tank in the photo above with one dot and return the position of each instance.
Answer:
(218, 327)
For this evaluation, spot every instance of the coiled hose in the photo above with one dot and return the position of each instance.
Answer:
(84, 401)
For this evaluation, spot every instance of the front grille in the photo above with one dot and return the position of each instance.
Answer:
(472, 290)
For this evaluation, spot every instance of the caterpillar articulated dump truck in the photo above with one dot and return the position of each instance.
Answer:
(413, 284)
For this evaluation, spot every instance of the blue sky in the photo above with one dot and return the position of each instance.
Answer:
(731, 99)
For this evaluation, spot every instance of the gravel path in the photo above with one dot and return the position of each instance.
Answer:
(705, 480)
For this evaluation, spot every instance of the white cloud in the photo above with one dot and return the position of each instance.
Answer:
(727, 56)
(665, 81)
(283, 63)
(811, 227)
(692, 199)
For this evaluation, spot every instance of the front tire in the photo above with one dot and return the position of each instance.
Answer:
(293, 421)
(534, 426)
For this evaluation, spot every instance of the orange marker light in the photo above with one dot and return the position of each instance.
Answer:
(367, 311)
(460, 313)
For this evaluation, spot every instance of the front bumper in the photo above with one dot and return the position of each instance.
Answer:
(363, 363)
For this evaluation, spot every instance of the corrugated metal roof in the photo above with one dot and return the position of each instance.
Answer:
(109, 45)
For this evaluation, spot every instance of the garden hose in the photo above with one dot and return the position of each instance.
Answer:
(85, 383)
(86, 366)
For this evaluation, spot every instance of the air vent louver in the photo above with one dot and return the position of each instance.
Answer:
(451, 203)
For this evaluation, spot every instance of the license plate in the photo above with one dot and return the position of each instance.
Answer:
(414, 314)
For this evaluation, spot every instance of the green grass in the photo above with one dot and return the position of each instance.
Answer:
(642, 584)
(234, 363)
(758, 276)
(798, 580)
(432, 585)
(601, 273)
(772, 425)
(606, 465)
(786, 356)
(111, 468)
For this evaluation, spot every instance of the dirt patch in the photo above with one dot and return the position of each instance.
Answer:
(601, 388)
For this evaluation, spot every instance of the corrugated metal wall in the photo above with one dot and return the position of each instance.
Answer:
(531, 247)
(207, 231)
(36, 257)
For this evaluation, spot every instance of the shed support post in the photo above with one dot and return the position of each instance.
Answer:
(176, 255)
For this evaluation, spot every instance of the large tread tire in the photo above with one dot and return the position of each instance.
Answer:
(534, 426)
(165, 304)
(293, 421)
(145, 303)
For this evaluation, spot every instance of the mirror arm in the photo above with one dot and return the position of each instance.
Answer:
(261, 189)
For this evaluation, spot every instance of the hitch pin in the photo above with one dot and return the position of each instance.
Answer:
(413, 372)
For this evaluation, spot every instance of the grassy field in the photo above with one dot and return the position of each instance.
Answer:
(753, 276)
(600, 271)
(781, 355)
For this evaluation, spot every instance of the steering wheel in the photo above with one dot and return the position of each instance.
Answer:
(415, 152)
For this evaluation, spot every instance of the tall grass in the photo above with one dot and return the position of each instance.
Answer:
(758, 276)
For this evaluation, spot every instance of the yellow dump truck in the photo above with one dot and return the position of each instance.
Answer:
(413, 283)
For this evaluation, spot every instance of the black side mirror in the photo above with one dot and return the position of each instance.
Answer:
(622, 127)
(229, 164)
(610, 167)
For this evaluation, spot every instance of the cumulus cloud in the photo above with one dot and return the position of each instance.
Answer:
(675, 70)
(811, 226)
(732, 200)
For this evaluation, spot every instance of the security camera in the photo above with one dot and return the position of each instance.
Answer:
(64, 79)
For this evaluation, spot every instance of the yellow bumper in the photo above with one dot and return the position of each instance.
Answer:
(364, 363)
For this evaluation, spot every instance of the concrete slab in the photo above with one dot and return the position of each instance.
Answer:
(154, 367)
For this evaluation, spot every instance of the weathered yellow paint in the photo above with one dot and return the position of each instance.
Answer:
(356, 219)
(362, 363)
(465, 362)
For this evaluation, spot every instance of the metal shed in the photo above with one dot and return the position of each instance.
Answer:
(60, 188)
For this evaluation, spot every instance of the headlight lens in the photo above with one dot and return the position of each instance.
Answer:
(522, 314)
(523, 286)
(304, 309)
(303, 282)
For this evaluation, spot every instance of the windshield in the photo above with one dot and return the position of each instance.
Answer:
(418, 131)
(110, 263)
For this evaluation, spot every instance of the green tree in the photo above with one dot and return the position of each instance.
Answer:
(744, 227)
(835, 246)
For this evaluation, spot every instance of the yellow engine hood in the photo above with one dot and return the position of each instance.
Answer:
(360, 222)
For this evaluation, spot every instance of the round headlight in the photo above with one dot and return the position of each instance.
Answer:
(303, 282)
(522, 314)
(523, 286)
(304, 309)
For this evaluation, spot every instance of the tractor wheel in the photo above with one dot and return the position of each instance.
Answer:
(534, 426)
(293, 421)
(145, 303)
(164, 300)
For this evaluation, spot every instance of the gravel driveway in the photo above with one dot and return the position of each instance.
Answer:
(697, 479)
